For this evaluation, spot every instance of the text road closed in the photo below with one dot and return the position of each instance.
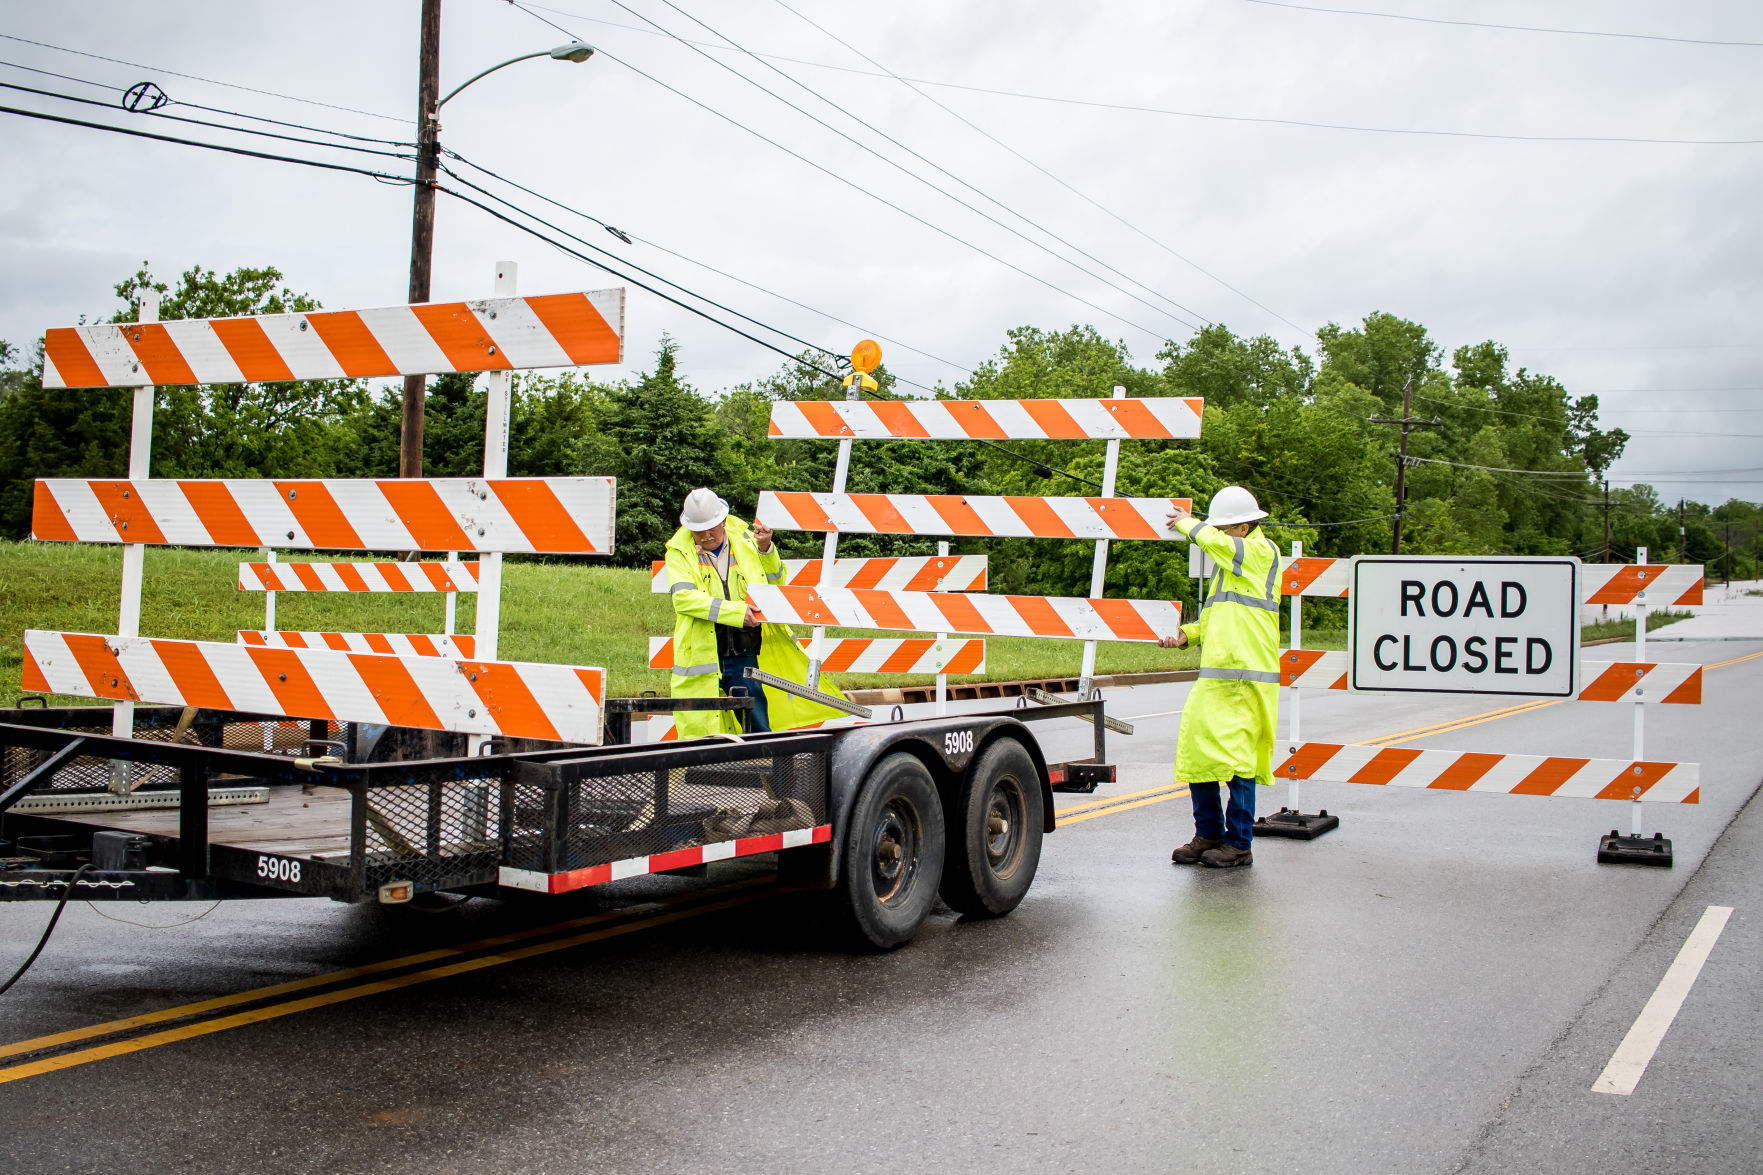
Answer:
(1480, 626)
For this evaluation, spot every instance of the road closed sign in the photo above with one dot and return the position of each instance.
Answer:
(1421, 624)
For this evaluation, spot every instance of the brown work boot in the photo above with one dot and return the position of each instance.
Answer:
(1190, 853)
(1227, 857)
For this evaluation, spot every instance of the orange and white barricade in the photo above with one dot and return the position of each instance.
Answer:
(1522, 775)
(1601, 681)
(1122, 418)
(358, 577)
(868, 655)
(907, 573)
(393, 644)
(1058, 617)
(964, 515)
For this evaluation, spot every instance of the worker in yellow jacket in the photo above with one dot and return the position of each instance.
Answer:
(1227, 723)
(716, 634)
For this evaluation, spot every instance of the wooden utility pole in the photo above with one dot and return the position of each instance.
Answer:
(1683, 543)
(422, 226)
(1606, 520)
(1408, 423)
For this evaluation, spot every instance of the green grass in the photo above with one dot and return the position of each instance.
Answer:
(1605, 629)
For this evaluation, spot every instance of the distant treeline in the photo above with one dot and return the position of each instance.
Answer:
(1514, 465)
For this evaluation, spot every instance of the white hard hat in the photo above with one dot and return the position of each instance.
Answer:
(703, 510)
(1232, 505)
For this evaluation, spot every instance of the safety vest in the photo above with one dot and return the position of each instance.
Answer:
(1227, 722)
(700, 603)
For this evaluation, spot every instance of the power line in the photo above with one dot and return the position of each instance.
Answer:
(909, 84)
(1515, 28)
(99, 126)
(1304, 124)
(850, 183)
(208, 123)
(940, 168)
(199, 78)
(700, 264)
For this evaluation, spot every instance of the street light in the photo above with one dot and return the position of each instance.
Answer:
(422, 228)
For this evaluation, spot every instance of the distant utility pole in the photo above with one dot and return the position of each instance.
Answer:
(1683, 543)
(422, 226)
(1728, 559)
(1606, 520)
(1407, 421)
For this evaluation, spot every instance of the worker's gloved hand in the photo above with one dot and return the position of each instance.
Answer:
(1178, 641)
(1176, 516)
(762, 537)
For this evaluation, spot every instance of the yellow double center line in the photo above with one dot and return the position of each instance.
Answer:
(664, 912)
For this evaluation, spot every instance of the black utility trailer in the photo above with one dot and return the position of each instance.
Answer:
(194, 807)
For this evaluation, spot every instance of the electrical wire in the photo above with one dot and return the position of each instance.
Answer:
(49, 929)
(1193, 114)
(1514, 28)
(99, 126)
(199, 78)
(208, 123)
(848, 182)
(700, 264)
(944, 171)
(913, 86)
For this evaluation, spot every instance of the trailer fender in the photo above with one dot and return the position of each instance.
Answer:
(948, 747)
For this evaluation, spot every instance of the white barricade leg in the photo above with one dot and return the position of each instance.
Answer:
(1292, 821)
(1636, 848)
(128, 620)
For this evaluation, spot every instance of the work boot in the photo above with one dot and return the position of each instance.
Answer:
(1190, 853)
(1227, 857)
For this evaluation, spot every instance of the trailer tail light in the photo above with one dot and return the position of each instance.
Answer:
(393, 893)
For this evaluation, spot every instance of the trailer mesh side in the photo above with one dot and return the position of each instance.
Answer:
(441, 835)
(90, 773)
(599, 819)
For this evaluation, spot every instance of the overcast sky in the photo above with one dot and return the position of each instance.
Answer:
(1629, 269)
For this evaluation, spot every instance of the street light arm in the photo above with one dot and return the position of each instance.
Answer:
(575, 52)
(486, 73)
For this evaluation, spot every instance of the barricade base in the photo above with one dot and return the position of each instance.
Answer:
(1289, 822)
(1617, 849)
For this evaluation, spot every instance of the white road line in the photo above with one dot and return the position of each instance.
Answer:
(1624, 1071)
(1159, 714)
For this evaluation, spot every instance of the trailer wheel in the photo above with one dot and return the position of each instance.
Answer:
(893, 854)
(994, 833)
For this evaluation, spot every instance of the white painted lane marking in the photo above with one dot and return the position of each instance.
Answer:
(1624, 1071)
(1159, 714)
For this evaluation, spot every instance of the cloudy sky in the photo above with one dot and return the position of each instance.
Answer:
(1162, 140)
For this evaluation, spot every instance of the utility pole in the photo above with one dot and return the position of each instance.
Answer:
(1606, 520)
(1728, 559)
(422, 226)
(1683, 542)
(1407, 421)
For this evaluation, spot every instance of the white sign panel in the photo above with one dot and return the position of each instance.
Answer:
(1436, 625)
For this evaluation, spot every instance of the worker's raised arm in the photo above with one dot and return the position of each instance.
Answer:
(1225, 550)
(691, 600)
(769, 557)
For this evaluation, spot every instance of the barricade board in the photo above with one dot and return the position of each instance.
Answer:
(517, 698)
(1521, 775)
(490, 334)
(911, 573)
(1423, 624)
(964, 516)
(855, 654)
(458, 645)
(529, 515)
(1059, 617)
(358, 577)
(1160, 419)
(1604, 681)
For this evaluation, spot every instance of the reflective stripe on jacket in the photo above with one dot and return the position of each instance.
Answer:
(700, 603)
(1227, 723)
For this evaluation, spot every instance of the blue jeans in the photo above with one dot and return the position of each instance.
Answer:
(1235, 828)
(731, 677)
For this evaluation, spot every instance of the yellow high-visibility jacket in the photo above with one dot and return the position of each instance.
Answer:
(1227, 723)
(700, 604)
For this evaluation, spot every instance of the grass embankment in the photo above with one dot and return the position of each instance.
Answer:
(580, 615)
(1609, 629)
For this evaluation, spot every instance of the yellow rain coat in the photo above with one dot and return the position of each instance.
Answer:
(700, 604)
(1227, 724)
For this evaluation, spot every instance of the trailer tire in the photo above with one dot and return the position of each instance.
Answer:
(893, 854)
(994, 833)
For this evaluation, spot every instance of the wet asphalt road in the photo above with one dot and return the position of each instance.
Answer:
(1433, 987)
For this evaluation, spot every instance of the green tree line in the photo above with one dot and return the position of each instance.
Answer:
(1511, 462)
